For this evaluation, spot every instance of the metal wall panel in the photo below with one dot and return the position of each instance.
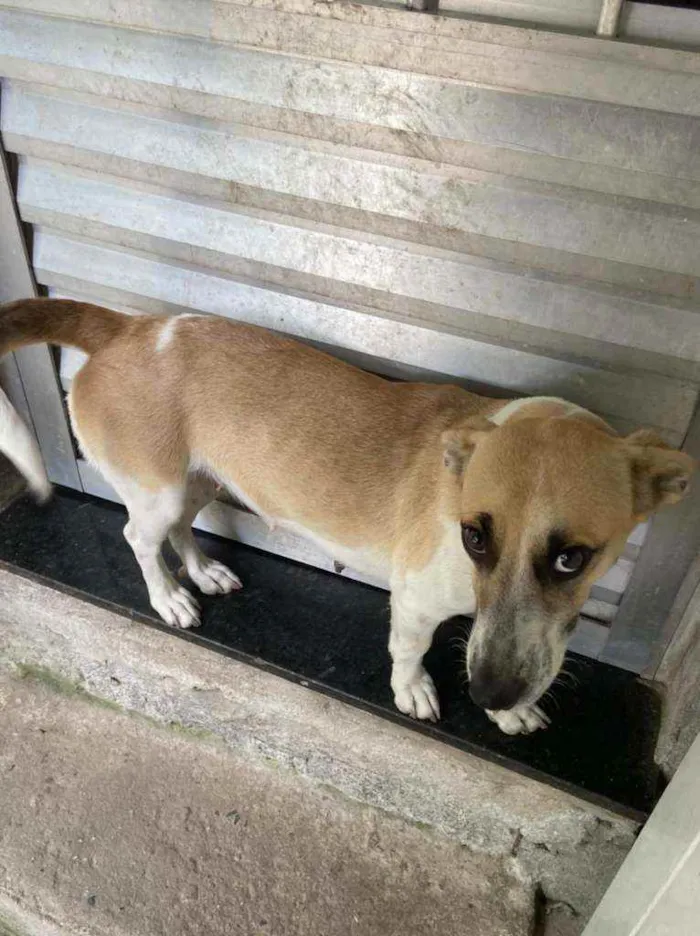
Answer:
(673, 25)
(581, 15)
(424, 195)
(661, 24)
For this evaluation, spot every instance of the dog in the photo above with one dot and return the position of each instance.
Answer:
(505, 510)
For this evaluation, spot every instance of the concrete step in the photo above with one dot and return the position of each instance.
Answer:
(127, 756)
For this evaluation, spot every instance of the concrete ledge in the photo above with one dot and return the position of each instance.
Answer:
(544, 839)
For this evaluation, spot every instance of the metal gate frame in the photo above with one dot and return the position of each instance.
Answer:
(29, 376)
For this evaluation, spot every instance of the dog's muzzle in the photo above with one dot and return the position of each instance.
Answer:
(488, 691)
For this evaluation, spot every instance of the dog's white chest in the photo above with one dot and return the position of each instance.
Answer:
(444, 587)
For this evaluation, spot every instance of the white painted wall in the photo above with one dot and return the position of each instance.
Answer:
(657, 890)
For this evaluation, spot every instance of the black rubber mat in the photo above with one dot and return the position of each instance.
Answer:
(330, 634)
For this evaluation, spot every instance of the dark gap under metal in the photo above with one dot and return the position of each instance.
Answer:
(330, 634)
(682, 4)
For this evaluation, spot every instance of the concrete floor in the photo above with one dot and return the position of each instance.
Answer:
(111, 824)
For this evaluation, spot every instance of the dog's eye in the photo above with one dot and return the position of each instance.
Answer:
(571, 562)
(474, 540)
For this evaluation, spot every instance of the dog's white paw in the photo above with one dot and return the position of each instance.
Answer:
(523, 719)
(214, 578)
(418, 697)
(176, 606)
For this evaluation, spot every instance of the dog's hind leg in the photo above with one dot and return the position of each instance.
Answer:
(152, 515)
(144, 456)
(210, 577)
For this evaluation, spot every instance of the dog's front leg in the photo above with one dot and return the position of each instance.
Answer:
(411, 636)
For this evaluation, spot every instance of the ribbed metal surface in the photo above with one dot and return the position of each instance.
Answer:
(581, 15)
(512, 208)
(672, 24)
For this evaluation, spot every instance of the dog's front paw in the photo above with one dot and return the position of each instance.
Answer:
(523, 719)
(176, 606)
(417, 697)
(214, 578)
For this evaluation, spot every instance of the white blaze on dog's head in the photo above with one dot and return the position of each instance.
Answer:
(546, 502)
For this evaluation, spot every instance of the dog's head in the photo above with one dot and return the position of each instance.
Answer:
(546, 502)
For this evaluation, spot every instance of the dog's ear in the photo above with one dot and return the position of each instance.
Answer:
(458, 442)
(660, 474)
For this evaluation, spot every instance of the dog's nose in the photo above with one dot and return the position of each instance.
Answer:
(489, 692)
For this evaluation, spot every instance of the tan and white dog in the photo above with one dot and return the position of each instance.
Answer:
(463, 504)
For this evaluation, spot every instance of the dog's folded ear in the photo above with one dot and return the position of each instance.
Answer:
(459, 441)
(660, 474)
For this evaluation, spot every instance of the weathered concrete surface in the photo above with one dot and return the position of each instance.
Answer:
(114, 825)
(502, 826)
(679, 673)
(16, 920)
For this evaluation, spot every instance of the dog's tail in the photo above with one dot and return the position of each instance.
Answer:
(56, 321)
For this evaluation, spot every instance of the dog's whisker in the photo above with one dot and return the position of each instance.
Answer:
(569, 675)
(459, 642)
(550, 697)
(572, 676)
(583, 665)
(562, 684)
(565, 680)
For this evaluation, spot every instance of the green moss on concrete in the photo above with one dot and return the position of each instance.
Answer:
(74, 689)
(63, 686)
(8, 928)
(359, 805)
(48, 678)
(69, 688)
(189, 731)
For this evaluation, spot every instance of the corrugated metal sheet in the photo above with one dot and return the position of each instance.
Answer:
(581, 15)
(670, 23)
(509, 207)
(649, 21)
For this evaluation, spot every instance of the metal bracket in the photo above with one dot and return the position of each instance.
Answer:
(609, 21)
